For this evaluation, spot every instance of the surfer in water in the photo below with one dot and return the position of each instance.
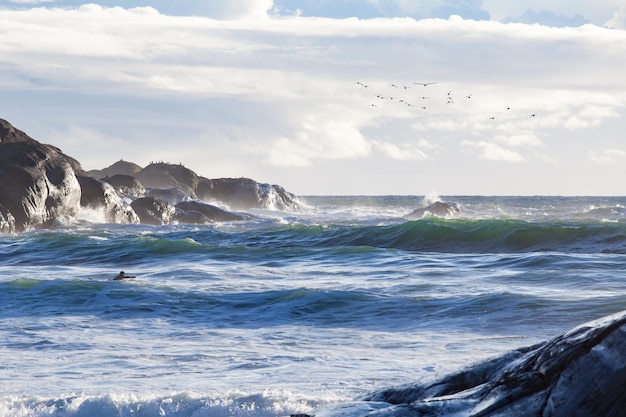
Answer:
(122, 276)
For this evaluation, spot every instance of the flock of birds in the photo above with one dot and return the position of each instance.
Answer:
(403, 99)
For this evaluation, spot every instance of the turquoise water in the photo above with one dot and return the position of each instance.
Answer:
(293, 310)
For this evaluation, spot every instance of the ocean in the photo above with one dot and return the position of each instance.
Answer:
(292, 311)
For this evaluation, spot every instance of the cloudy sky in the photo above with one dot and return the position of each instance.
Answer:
(325, 96)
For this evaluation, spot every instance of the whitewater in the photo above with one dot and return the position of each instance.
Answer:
(292, 311)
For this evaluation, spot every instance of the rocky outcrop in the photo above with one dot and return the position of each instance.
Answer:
(40, 184)
(437, 209)
(120, 167)
(164, 175)
(244, 194)
(100, 195)
(37, 181)
(172, 196)
(126, 185)
(175, 183)
(578, 374)
(153, 211)
(192, 211)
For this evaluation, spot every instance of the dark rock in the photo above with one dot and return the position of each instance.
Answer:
(9, 134)
(153, 211)
(578, 374)
(121, 167)
(188, 210)
(127, 185)
(191, 217)
(236, 193)
(172, 196)
(37, 182)
(100, 195)
(438, 209)
(164, 175)
(244, 194)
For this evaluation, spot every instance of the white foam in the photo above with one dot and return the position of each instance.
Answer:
(182, 404)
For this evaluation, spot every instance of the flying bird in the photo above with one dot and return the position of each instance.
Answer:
(425, 84)
(360, 83)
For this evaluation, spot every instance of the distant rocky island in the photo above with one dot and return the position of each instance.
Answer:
(39, 185)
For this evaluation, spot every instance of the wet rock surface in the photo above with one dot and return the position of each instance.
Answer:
(438, 209)
(37, 181)
(579, 373)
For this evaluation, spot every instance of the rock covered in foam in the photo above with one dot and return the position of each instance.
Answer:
(245, 193)
(7, 221)
(236, 193)
(171, 196)
(97, 194)
(37, 181)
(578, 374)
(438, 209)
(153, 211)
(188, 210)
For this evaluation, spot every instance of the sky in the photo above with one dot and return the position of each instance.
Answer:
(326, 97)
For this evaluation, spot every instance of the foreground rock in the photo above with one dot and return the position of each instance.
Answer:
(438, 209)
(581, 373)
(37, 182)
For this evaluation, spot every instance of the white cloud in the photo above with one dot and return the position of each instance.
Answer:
(281, 92)
(618, 19)
(598, 12)
(318, 141)
(506, 148)
(521, 140)
(237, 9)
(402, 152)
(493, 151)
(608, 156)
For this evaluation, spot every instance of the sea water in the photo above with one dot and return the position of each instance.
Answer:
(291, 311)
